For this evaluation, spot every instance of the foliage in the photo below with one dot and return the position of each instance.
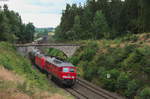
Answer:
(39, 32)
(12, 29)
(132, 87)
(56, 53)
(29, 81)
(122, 69)
(145, 93)
(11, 60)
(89, 51)
(100, 26)
(98, 19)
(74, 60)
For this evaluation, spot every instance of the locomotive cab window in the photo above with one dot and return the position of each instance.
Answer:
(68, 70)
(71, 69)
(65, 69)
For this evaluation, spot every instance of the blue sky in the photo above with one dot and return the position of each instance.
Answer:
(43, 13)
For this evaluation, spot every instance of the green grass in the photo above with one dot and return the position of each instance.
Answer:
(20, 65)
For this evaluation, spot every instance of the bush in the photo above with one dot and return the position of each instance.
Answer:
(130, 37)
(89, 51)
(110, 83)
(74, 60)
(132, 88)
(132, 62)
(122, 81)
(88, 54)
(124, 64)
(145, 93)
(57, 53)
(11, 60)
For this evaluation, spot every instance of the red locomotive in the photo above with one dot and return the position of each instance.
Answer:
(62, 71)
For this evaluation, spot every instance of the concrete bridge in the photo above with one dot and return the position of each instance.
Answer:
(68, 49)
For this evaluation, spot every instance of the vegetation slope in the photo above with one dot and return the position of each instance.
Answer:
(121, 65)
(18, 80)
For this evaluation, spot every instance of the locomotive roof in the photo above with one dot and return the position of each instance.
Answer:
(58, 63)
(53, 60)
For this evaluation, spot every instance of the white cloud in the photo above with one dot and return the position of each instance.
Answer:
(43, 13)
(42, 20)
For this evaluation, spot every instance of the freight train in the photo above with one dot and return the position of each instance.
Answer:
(62, 71)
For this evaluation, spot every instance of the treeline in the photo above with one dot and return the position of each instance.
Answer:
(108, 19)
(12, 28)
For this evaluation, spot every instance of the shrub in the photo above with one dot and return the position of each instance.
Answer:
(122, 81)
(89, 51)
(74, 60)
(132, 88)
(144, 62)
(57, 53)
(124, 64)
(132, 62)
(88, 54)
(130, 37)
(110, 83)
(145, 93)
(7, 66)
(11, 60)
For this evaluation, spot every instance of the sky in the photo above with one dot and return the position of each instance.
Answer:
(42, 13)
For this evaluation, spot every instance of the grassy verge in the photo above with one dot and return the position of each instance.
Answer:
(34, 82)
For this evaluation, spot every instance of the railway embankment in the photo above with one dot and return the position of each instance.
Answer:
(18, 80)
(121, 65)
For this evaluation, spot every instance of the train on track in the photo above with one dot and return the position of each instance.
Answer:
(62, 71)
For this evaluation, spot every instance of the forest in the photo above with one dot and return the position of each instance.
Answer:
(104, 19)
(12, 29)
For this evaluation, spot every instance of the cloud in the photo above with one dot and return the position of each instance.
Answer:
(43, 13)
(47, 20)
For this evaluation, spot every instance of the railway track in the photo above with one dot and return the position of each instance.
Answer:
(86, 90)
(76, 93)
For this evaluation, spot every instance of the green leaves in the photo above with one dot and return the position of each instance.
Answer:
(56, 53)
(145, 93)
(100, 26)
(11, 60)
(120, 69)
(12, 29)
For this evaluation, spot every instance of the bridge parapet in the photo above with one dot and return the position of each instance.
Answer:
(68, 49)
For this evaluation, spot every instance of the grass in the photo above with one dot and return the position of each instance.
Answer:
(34, 81)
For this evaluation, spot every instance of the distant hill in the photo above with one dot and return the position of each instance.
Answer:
(49, 29)
(43, 31)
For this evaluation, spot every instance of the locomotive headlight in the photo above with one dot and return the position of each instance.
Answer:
(68, 77)
(65, 76)
(73, 77)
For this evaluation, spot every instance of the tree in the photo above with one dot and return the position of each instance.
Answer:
(30, 29)
(12, 29)
(100, 26)
(4, 27)
(119, 18)
(77, 28)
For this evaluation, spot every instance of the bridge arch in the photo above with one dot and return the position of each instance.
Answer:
(57, 53)
(68, 49)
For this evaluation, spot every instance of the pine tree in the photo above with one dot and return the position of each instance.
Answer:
(100, 26)
(77, 28)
